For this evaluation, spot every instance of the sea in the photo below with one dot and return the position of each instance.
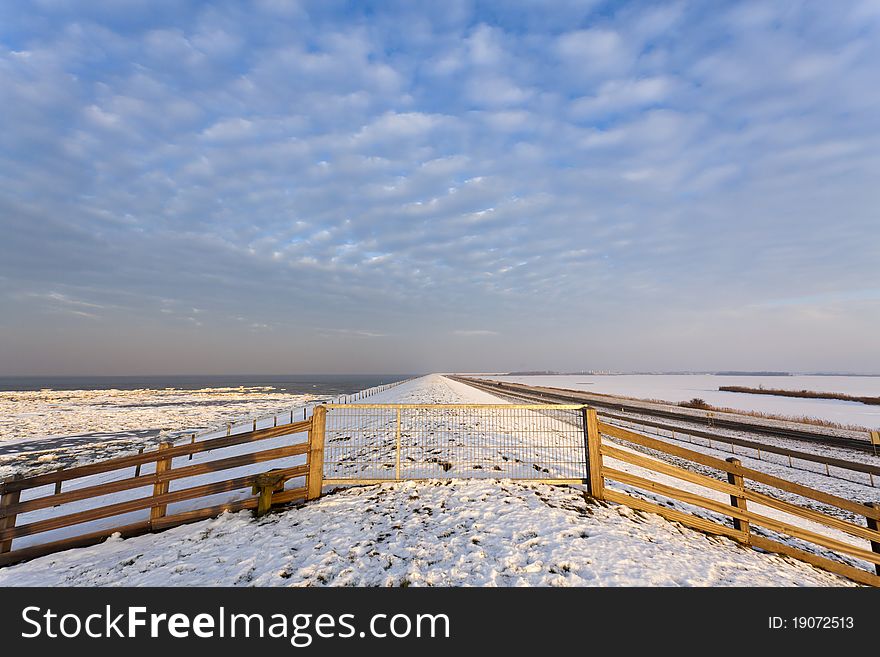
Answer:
(297, 384)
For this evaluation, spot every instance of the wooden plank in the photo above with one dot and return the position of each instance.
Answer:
(738, 500)
(850, 572)
(873, 525)
(747, 473)
(7, 522)
(140, 503)
(316, 452)
(856, 466)
(812, 537)
(671, 514)
(663, 467)
(84, 540)
(804, 491)
(291, 495)
(594, 454)
(161, 487)
(137, 529)
(812, 515)
(149, 457)
(743, 515)
(675, 493)
(766, 500)
(150, 479)
(662, 446)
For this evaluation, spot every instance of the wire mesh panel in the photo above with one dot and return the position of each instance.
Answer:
(379, 442)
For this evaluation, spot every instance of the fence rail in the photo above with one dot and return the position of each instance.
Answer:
(93, 500)
(366, 443)
(748, 526)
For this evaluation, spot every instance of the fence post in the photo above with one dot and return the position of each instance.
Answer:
(266, 484)
(137, 468)
(738, 501)
(594, 458)
(873, 525)
(397, 447)
(8, 522)
(161, 487)
(316, 452)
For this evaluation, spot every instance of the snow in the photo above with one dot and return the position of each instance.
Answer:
(684, 387)
(65, 428)
(36, 414)
(463, 533)
(460, 532)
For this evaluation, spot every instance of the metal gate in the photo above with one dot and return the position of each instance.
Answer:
(372, 443)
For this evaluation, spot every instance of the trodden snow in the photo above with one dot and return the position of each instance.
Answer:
(436, 533)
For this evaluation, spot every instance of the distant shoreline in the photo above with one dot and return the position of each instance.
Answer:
(805, 394)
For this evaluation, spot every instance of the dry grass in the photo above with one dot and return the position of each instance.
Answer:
(806, 394)
(800, 419)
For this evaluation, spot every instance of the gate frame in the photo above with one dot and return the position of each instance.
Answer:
(591, 440)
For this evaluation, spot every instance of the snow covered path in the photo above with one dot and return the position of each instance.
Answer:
(474, 532)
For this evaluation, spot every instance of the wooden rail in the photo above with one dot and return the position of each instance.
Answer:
(744, 520)
(678, 431)
(268, 488)
(729, 496)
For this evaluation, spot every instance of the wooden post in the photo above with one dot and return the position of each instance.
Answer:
(872, 524)
(594, 458)
(192, 442)
(8, 522)
(397, 448)
(137, 468)
(161, 487)
(266, 484)
(316, 453)
(738, 501)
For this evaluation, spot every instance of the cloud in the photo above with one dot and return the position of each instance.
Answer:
(399, 172)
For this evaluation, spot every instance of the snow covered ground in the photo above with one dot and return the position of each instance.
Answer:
(684, 387)
(36, 414)
(466, 533)
(479, 532)
(49, 429)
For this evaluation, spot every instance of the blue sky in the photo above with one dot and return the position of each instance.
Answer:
(339, 187)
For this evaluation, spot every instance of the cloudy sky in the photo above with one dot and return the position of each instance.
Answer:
(288, 187)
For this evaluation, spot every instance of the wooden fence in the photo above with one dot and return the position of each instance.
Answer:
(108, 500)
(112, 500)
(744, 521)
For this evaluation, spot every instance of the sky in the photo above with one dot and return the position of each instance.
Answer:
(329, 187)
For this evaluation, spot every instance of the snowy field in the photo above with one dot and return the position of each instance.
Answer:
(433, 533)
(64, 428)
(676, 388)
(41, 413)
